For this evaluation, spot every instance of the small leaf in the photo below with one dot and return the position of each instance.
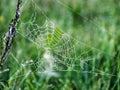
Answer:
(55, 37)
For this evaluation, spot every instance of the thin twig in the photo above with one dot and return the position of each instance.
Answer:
(11, 33)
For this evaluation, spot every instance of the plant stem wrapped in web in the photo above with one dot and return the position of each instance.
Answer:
(9, 36)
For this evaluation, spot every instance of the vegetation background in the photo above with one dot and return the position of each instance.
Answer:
(94, 25)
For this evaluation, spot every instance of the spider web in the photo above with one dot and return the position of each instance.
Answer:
(57, 50)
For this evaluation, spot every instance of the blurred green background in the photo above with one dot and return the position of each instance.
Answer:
(88, 60)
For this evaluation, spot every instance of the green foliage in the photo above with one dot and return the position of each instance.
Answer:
(55, 37)
(85, 48)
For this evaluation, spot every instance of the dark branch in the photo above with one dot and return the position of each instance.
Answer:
(11, 33)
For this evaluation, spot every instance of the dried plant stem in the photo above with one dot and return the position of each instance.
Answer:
(11, 33)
